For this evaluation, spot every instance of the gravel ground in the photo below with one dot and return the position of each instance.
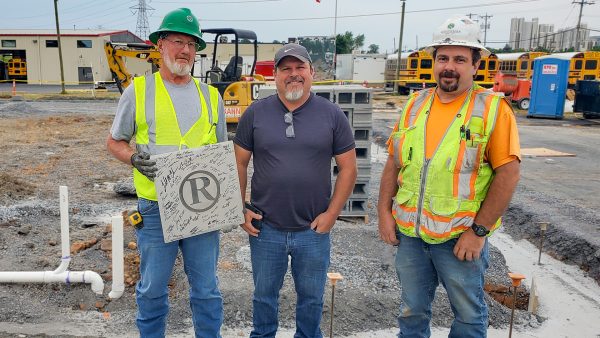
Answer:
(48, 143)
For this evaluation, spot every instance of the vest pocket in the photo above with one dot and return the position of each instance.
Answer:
(443, 206)
(403, 196)
(472, 157)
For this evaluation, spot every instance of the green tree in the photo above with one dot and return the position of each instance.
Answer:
(373, 49)
(346, 43)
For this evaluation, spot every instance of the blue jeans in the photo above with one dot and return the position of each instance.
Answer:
(420, 268)
(309, 252)
(157, 258)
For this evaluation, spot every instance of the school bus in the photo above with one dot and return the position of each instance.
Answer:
(416, 71)
(583, 66)
(389, 75)
(17, 69)
(519, 64)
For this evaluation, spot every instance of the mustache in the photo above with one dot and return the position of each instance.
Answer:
(294, 79)
(449, 74)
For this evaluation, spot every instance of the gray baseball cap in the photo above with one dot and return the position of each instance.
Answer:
(292, 49)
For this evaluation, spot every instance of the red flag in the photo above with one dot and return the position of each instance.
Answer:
(319, 1)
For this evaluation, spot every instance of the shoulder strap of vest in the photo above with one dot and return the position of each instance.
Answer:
(211, 96)
(141, 125)
(414, 104)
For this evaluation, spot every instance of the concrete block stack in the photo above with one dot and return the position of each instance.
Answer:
(357, 104)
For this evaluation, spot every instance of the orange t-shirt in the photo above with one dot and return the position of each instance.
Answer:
(503, 145)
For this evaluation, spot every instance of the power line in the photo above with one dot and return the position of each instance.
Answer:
(499, 3)
(214, 2)
(581, 3)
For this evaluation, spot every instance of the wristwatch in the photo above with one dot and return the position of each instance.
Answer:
(479, 230)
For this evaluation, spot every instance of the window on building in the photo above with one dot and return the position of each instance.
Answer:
(84, 43)
(9, 43)
(51, 43)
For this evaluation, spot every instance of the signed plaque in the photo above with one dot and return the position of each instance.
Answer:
(198, 191)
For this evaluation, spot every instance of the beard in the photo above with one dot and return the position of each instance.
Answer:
(294, 94)
(448, 87)
(177, 68)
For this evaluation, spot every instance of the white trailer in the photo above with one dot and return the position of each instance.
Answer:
(361, 68)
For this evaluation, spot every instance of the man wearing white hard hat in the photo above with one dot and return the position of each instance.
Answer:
(453, 165)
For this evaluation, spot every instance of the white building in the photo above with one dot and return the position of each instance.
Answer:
(83, 54)
(84, 59)
(529, 35)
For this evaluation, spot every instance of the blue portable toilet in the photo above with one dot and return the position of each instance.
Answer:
(549, 85)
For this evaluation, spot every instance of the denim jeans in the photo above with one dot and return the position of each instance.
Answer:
(157, 258)
(309, 252)
(420, 268)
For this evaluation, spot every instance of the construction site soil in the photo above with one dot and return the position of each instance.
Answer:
(49, 143)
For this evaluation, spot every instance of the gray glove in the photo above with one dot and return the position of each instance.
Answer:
(141, 161)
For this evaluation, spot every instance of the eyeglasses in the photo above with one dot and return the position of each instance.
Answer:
(289, 119)
(179, 44)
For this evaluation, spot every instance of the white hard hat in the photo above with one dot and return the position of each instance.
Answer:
(458, 31)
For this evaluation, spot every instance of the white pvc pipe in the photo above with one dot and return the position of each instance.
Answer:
(60, 274)
(65, 258)
(118, 285)
(50, 276)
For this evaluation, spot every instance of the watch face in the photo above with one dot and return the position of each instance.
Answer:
(479, 230)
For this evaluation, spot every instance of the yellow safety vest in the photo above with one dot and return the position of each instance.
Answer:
(163, 135)
(438, 198)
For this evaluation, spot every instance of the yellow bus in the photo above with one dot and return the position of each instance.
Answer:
(17, 69)
(416, 71)
(519, 64)
(390, 75)
(583, 66)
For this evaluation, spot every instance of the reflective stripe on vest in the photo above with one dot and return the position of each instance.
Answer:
(444, 193)
(161, 133)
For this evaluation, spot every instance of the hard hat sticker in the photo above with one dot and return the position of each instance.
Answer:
(189, 18)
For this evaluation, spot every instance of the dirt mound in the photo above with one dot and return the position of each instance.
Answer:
(13, 188)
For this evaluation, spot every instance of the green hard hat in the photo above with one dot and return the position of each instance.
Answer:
(183, 21)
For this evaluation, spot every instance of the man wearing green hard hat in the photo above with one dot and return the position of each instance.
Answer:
(169, 111)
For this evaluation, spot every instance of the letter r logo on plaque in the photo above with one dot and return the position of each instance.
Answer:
(198, 190)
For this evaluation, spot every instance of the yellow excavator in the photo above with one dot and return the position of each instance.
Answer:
(238, 90)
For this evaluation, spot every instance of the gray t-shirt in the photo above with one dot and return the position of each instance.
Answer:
(186, 102)
(291, 183)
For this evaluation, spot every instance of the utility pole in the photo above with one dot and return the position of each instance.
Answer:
(471, 15)
(397, 77)
(485, 26)
(62, 72)
(142, 28)
(577, 36)
(335, 43)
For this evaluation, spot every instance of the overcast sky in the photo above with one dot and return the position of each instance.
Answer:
(378, 20)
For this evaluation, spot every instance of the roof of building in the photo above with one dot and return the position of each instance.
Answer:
(64, 32)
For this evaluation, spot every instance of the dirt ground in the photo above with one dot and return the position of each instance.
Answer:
(46, 144)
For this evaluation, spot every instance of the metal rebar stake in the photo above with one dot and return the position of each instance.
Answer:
(516, 281)
(543, 228)
(333, 278)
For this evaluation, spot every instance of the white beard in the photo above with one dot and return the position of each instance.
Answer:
(177, 68)
(294, 95)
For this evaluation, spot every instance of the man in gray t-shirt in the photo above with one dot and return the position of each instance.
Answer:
(292, 137)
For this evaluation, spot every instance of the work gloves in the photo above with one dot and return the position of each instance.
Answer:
(143, 163)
